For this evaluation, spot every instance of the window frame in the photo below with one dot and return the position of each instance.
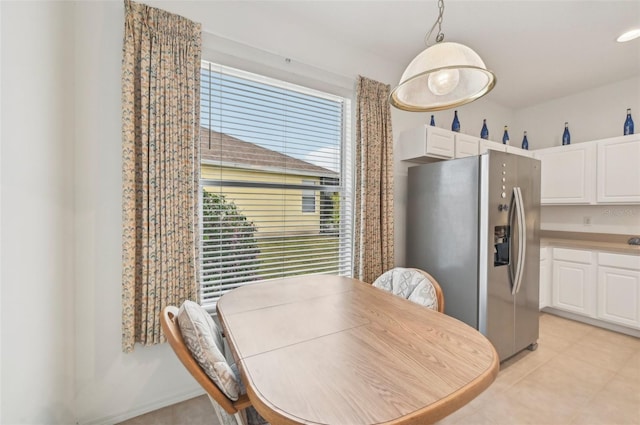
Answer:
(345, 176)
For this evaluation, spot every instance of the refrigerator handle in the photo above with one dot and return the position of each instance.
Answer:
(522, 240)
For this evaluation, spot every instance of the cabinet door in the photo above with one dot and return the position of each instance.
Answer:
(466, 145)
(521, 152)
(619, 288)
(619, 296)
(573, 287)
(426, 142)
(545, 278)
(486, 145)
(618, 175)
(568, 174)
(440, 143)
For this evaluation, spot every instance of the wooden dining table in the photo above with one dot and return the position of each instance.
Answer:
(333, 350)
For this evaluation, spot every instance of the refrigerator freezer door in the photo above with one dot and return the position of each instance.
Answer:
(442, 230)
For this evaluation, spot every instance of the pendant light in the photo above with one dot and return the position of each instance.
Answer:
(445, 75)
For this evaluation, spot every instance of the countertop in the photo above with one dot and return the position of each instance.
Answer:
(583, 240)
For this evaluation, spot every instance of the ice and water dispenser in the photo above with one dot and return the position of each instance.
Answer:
(501, 243)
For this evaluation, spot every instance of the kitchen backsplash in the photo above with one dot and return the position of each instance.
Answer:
(617, 219)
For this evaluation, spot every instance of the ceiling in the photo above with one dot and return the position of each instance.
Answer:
(539, 50)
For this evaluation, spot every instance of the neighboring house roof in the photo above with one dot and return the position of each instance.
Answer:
(221, 149)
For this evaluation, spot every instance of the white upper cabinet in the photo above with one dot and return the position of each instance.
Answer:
(568, 174)
(599, 172)
(425, 142)
(466, 145)
(487, 145)
(521, 152)
(619, 170)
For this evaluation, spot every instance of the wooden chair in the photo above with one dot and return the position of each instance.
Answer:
(413, 280)
(171, 329)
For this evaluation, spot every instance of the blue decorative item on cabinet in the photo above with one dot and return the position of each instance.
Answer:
(566, 136)
(628, 123)
(525, 142)
(484, 133)
(505, 136)
(455, 125)
(433, 122)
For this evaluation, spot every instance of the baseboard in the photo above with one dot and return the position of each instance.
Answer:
(594, 322)
(141, 410)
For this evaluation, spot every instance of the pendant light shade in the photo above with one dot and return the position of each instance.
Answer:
(443, 76)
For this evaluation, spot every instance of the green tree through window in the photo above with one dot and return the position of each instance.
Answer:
(229, 240)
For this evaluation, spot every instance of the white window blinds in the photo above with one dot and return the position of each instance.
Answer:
(276, 198)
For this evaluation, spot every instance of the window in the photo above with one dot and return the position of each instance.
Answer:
(276, 200)
(308, 198)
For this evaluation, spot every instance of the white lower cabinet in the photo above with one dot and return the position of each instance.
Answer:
(619, 289)
(601, 285)
(573, 281)
(545, 278)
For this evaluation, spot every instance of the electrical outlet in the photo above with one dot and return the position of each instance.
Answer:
(586, 220)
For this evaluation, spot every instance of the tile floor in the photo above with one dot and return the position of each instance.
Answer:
(579, 375)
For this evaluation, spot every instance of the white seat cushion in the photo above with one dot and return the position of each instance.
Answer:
(409, 284)
(399, 281)
(425, 294)
(203, 338)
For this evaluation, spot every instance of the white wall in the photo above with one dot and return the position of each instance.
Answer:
(616, 219)
(37, 213)
(262, 26)
(593, 114)
(61, 359)
(61, 199)
(110, 385)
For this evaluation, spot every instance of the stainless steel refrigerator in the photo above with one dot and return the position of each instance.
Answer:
(473, 223)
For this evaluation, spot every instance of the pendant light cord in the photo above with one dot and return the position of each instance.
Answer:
(438, 22)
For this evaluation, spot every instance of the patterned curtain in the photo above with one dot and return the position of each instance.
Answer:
(373, 247)
(160, 169)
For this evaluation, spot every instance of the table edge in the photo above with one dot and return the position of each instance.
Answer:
(426, 415)
(435, 411)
